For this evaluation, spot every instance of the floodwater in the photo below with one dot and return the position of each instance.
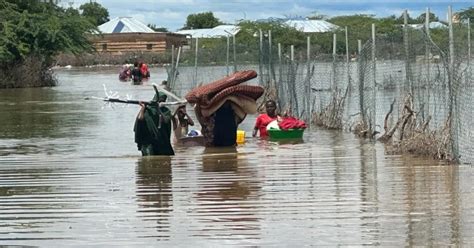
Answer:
(70, 175)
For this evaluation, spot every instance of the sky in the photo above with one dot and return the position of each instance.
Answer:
(172, 14)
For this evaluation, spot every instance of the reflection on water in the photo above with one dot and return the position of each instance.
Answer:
(71, 175)
(225, 202)
(154, 192)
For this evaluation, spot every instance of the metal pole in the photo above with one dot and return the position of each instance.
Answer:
(292, 55)
(334, 40)
(270, 58)
(172, 57)
(347, 60)
(451, 86)
(196, 62)
(308, 82)
(469, 49)
(374, 83)
(227, 55)
(428, 59)
(280, 77)
(175, 71)
(171, 71)
(407, 56)
(361, 80)
(260, 50)
(235, 59)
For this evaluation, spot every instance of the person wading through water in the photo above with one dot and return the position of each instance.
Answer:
(153, 128)
(181, 123)
(264, 119)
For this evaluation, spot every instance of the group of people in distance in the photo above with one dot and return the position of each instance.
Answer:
(154, 124)
(138, 73)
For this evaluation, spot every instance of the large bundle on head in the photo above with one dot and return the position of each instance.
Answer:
(212, 96)
(203, 94)
(228, 91)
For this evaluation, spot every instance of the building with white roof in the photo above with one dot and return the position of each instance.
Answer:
(127, 34)
(312, 26)
(216, 32)
(124, 25)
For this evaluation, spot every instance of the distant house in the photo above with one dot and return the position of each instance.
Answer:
(216, 32)
(433, 25)
(304, 25)
(126, 34)
(311, 26)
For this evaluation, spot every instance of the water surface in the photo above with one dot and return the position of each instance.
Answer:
(70, 175)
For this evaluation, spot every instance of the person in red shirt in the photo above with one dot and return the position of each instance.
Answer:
(264, 119)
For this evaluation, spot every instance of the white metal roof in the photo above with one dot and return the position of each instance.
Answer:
(124, 25)
(216, 32)
(432, 25)
(312, 26)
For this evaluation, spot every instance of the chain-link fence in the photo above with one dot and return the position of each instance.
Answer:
(407, 90)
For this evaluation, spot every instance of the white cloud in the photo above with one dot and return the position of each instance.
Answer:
(172, 13)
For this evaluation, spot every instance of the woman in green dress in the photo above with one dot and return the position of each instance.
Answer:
(153, 128)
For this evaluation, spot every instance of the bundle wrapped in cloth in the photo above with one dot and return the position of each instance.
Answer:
(221, 105)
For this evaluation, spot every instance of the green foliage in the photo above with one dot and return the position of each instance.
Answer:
(432, 17)
(157, 29)
(467, 13)
(33, 28)
(281, 33)
(97, 14)
(201, 20)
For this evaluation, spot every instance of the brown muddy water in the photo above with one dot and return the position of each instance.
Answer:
(70, 175)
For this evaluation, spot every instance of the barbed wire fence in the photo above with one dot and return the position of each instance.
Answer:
(406, 90)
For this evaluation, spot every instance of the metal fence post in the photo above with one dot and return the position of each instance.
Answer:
(427, 57)
(227, 55)
(361, 80)
(347, 60)
(260, 51)
(308, 80)
(235, 57)
(374, 83)
(469, 50)
(333, 79)
(408, 85)
(270, 81)
(196, 62)
(452, 88)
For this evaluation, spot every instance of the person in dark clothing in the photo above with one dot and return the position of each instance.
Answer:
(136, 73)
(225, 127)
(153, 128)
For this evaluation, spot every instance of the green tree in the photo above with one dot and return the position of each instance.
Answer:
(34, 29)
(421, 18)
(97, 14)
(157, 29)
(400, 19)
(467, 13)
(201, 20)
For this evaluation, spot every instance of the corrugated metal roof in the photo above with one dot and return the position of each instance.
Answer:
(312, 26)
(216, 32)
(124, 25)
(432, 25)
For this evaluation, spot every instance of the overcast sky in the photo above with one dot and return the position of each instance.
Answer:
(172, 14)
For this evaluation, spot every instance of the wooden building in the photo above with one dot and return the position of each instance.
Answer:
(125, 34)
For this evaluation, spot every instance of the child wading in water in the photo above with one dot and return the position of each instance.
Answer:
(181, 123)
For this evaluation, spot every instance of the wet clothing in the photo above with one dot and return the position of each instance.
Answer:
(151, 138)
(225, 126)
(144, 71)
(136, 75)
(261, 124)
